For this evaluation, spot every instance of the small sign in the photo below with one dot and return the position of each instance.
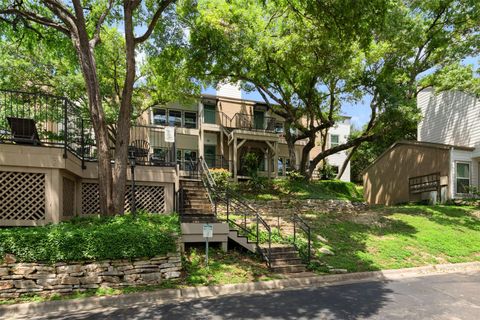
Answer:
(170, 134)
(207, 231)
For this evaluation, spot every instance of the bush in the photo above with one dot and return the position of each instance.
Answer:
(119, 237)
(221, 177)
(251, 164)
(326, 172)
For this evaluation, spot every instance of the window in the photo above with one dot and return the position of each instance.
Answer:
(462, 177)
(280, 166)
(279, 127)
(175, 118)
(160, 116)
(184, 157)
(209, 114)
(190, 155)
(190, 120)
(334, 140)
(334, 169)
(160, 154)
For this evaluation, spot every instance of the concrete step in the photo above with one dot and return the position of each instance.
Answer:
(241, 240)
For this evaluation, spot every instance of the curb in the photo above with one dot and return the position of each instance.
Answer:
(170, 295)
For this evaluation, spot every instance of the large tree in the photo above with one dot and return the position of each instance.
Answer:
(84, 24)
(311, 58)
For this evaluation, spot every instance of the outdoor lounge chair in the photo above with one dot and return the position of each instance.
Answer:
(24, 131)
(140, 150)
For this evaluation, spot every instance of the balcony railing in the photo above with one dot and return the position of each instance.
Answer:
(39, 119)
(245, 121)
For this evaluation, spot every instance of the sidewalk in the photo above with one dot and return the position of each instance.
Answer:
(169, 295)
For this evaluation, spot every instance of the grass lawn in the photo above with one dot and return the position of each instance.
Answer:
(399, 237)
(299, 189)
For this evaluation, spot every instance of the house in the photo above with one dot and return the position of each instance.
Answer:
(48, 168)
(442, 164)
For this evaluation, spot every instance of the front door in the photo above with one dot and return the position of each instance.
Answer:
(210, 152)
(259, 119)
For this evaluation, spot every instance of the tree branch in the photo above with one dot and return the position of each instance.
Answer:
(31, 16)
(163, 5)
(98, 25)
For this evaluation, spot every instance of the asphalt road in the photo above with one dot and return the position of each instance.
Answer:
(452, 296)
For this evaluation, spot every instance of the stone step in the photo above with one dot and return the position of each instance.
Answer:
(294, 268)
(277, 249)
(284, 255)
(286, 262)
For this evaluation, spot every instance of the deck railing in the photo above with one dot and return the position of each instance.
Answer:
(40, 119)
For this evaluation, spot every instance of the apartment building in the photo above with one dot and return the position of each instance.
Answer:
(223, 128)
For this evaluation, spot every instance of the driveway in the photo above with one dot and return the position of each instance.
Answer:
(451, 296)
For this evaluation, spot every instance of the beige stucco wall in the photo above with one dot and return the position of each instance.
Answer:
(50, 162)
(386, 181)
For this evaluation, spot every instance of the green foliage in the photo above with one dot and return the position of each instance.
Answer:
(224, 267)
(301, 189)
(313, 58)
(326, 171)
(295, 176)
(251, 164)
(221, 177)
(398, 237)
(119, 237)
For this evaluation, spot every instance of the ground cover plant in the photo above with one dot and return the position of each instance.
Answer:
(118, 237)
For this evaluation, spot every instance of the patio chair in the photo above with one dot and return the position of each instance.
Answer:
(24, 131)
(140, 150)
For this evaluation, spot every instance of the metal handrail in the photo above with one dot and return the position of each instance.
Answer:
(231, 199)
(296, 219)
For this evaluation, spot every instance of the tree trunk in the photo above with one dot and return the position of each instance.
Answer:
(89, 71)
(305, 168)
(125, 114)
(291, 147)
(345, 163)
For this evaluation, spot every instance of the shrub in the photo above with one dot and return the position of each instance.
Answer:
(295, 176)
(326, 172)
(221, 177)
(251, 163)
(119, 237)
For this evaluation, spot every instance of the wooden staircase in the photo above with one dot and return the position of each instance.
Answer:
(196, 204)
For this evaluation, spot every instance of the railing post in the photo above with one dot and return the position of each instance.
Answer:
(269, 248)
(228, 207)
(257, 232)
(308, 255)
(294, 232)
(82, 142)
(65, 129)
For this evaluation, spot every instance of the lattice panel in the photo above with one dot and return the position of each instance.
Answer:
(148, 198)
(90, 202)
(22, 195)
(68, 197)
